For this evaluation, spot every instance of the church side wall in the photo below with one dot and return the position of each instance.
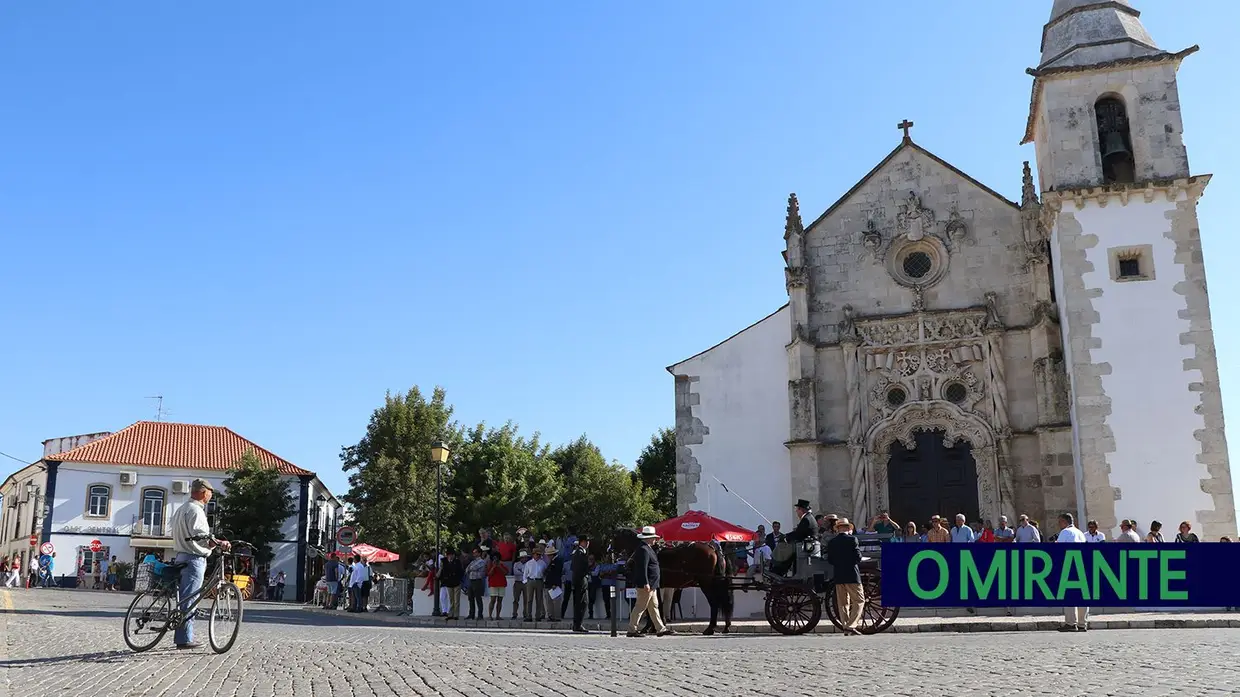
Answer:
(732, 420)
(1131, 344)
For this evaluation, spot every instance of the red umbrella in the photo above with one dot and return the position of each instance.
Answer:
(697, 526)
(374, 555)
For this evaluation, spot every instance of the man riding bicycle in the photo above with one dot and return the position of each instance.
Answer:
(192, 542)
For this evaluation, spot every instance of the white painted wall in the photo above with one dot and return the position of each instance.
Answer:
(743, 391)
(72, 527)
(1152, 409)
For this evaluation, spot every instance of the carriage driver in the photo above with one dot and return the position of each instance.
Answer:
(807, 528)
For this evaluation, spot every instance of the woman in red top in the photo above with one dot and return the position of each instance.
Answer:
(497, 583)
(507, 549)
(987, 534)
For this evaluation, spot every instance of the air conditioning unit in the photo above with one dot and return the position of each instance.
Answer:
(180, 486)
(129, 478)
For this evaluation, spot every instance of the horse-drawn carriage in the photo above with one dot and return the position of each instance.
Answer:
(797, 587)
(801, 585)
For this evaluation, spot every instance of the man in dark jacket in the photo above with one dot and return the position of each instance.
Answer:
(643, 575)
(807, 528)
(844, 556)
(453, 574)
(580, 576)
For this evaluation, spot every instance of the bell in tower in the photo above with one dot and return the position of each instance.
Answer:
(1113, 138)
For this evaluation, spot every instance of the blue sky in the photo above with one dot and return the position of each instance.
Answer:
(273, 212)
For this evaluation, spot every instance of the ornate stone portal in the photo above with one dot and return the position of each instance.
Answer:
(932, 371)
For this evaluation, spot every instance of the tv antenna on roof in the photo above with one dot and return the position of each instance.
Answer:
(160, 413)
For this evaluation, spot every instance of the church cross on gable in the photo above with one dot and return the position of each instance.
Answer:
(921, 365)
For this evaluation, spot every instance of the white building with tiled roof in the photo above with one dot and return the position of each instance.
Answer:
(113, 494)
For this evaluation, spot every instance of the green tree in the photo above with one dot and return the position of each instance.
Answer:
(656, 470)
(600, 496)
(391, 476)
(254, 504)
(503, 481)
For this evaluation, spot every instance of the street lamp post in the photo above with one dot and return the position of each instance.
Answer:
(439, 455)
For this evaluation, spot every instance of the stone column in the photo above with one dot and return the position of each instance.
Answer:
(856, 449)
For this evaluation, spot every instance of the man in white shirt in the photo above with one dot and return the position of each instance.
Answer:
(1075, 619)
(1127, 533)
(357, 581)
(534, 575)
(192, 542)
(761, 558)
(518, 581)
(1092, 534)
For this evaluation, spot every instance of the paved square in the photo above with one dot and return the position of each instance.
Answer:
(69, 643)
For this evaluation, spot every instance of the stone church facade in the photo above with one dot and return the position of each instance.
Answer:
(947, 350)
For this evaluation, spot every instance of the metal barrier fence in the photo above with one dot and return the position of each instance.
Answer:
(389, 595)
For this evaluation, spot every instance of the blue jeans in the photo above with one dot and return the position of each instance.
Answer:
(191, 581)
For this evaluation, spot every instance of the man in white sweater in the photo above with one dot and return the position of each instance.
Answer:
(1075, 619)
(192, 542)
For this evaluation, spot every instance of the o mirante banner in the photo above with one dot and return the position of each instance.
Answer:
(1056, 575)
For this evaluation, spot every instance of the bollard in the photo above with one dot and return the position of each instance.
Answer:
(615, 602)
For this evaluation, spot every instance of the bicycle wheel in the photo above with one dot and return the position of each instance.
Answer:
(146, 621)
(225, 622)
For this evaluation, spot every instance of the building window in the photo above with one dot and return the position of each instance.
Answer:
(1115, 142)
(98, 500)
(153, 509)
(1132, 263)
(917, 264)
(956, 393)
(896, 397)
(213, 514)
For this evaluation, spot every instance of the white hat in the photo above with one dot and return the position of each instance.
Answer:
(522, 554)
(647, 533)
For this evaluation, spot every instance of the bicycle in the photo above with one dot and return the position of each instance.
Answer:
(158, 609)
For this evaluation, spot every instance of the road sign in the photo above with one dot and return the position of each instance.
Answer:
(34, 540)
(346, 536)
(96, 546)
(47, 548)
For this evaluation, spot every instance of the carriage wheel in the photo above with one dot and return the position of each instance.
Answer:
(793, 609)
(874, 617)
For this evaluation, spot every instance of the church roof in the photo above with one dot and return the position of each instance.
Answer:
(1085, 32)
(672, 368)
(167, 444)
(907, 143)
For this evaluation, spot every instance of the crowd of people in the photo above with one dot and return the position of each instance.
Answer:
(550, 575)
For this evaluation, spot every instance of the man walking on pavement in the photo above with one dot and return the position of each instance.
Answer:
(844, 555)
(643, 574)
(580, 564)
(1075, 619)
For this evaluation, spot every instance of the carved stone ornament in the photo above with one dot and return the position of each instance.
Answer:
(956, 228)
(992, 312)
(914, 221)
(872, 238)
(797, 277)
(926, 329)
(1036, 252)
(1045, 311)
(919, 299)
(848, 327)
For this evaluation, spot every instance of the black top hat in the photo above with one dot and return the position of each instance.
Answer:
(802, 503)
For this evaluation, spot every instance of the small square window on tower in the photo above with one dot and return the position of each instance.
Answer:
(1132, 263)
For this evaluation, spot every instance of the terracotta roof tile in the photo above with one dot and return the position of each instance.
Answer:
(164, 444)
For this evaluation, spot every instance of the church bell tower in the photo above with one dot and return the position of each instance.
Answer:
(1119, 206)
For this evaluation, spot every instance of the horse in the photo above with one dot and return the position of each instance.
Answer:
(698, 564)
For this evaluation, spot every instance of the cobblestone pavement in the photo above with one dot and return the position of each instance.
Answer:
(69, 643)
